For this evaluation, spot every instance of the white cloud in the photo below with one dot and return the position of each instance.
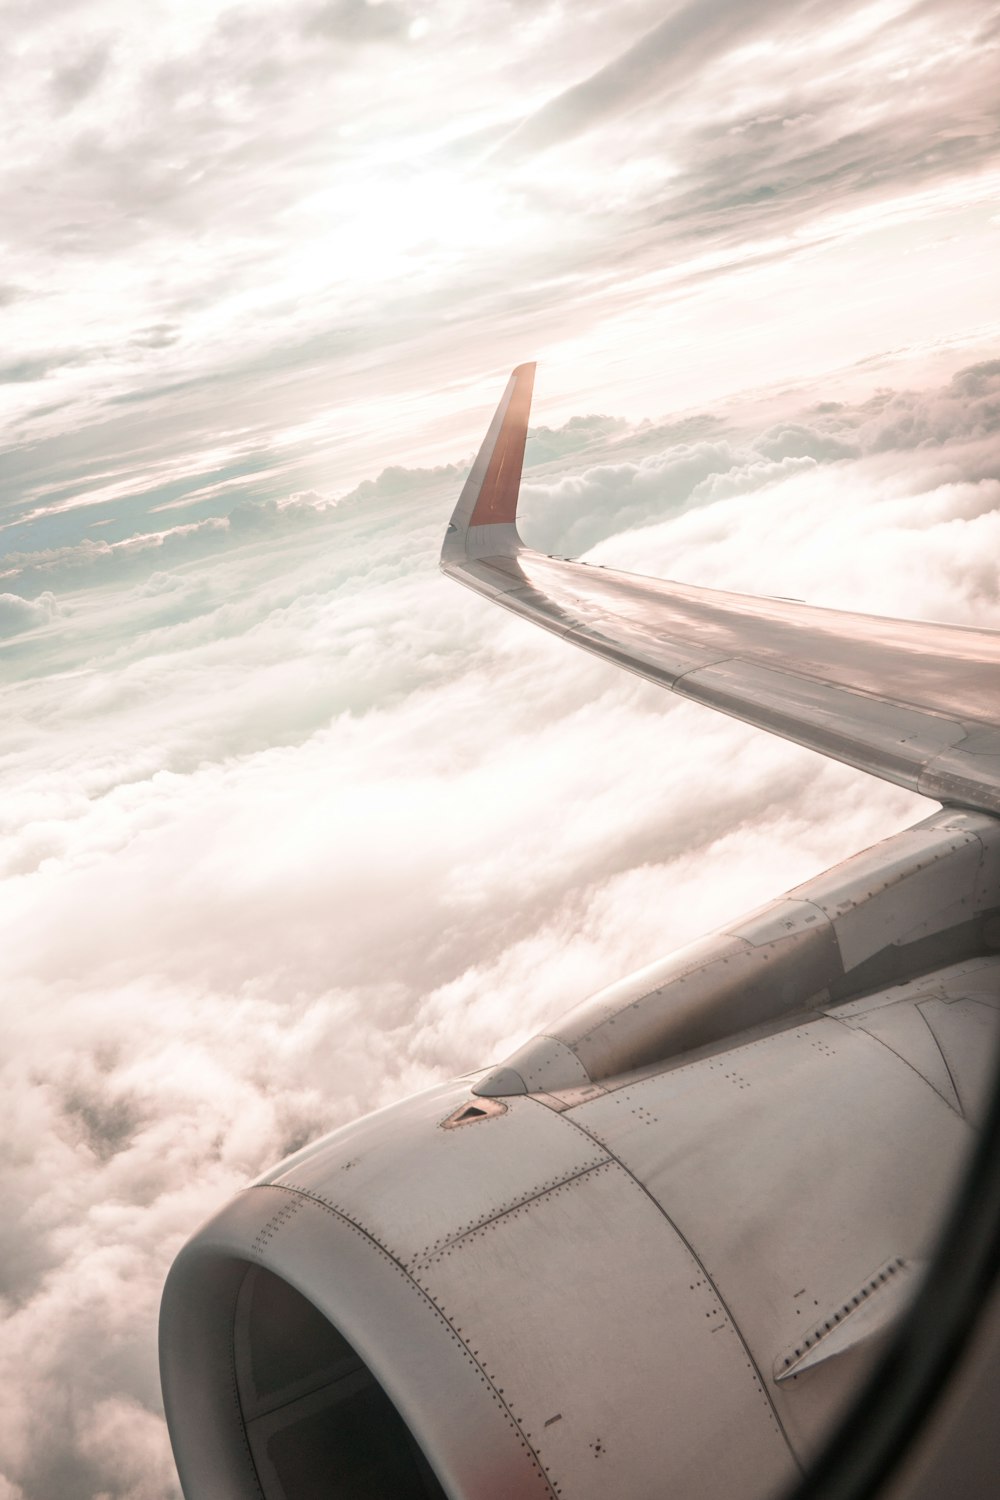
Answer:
(215, 211)
(17, 614)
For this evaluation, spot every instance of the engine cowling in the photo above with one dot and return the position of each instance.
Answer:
(623, 1293)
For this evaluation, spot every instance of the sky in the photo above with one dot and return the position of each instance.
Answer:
(292, 825)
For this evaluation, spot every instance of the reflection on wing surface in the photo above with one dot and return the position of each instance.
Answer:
(911, 701)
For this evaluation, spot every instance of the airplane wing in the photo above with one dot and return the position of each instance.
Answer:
(914, 702)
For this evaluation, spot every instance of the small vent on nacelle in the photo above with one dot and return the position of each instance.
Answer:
(476, 1109)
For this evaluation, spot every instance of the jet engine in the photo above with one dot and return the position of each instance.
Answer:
(647, 1256)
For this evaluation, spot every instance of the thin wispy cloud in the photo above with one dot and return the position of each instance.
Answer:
(282, 201)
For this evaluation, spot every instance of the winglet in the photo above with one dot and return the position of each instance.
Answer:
(484, 522)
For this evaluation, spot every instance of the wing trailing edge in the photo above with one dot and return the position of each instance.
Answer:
(913, 702)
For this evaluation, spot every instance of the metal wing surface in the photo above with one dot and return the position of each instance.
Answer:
(917, 703)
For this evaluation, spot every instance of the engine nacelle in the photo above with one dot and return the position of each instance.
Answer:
(667, 1286)
(559, 1279)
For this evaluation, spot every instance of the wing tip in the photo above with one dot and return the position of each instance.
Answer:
(487, 507)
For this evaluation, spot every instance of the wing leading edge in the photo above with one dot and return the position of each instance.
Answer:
(915, 703)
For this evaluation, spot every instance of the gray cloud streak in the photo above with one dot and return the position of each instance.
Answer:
(676, 47)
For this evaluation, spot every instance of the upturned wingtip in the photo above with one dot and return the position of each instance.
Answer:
(490, 494)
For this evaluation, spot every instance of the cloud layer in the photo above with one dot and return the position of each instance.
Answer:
(294, 826)
(258, 243)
